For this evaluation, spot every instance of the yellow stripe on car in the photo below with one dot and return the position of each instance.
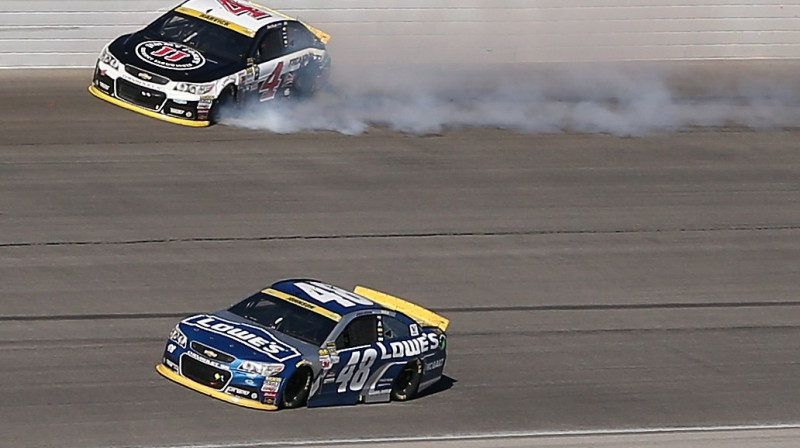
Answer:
(302, 303)
(214, 393)
(103, 96)
(216, 20)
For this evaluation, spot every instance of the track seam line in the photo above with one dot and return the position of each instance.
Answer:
(462, 310)
(403, 235)
(466, 310)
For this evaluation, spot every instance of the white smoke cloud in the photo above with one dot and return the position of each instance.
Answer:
(624, 99)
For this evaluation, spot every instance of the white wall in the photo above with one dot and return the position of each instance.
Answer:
(71, 32)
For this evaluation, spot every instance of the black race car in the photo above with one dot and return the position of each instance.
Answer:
(205, 54)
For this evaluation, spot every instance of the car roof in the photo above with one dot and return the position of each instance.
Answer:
(329, 297)
(243, 16)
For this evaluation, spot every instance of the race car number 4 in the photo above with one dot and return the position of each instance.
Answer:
(328, 293)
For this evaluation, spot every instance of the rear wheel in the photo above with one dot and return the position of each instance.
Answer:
(406, 384)
(295, 393)
(311, 78)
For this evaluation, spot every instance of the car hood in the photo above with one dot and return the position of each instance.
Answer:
(244, 339)
(173, 60)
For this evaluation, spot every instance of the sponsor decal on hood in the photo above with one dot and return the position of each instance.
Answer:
(168, 59)
(170, 55)
(251, 336)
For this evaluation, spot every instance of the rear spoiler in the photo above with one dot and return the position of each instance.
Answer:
(424, 317)
(321, 35)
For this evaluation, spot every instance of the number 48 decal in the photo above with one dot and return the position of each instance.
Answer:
(355, 373)
(329, 293)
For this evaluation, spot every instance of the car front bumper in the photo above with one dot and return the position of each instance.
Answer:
(122, 89)
(167, 373)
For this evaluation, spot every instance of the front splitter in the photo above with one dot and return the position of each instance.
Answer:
(117, 102)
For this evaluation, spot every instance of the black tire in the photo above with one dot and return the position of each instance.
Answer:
(224, 101)
(303, 86)
(406, 384)
(295, 393)
(310, 79)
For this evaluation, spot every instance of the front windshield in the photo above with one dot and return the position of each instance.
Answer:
(214, 41)
(285, 317)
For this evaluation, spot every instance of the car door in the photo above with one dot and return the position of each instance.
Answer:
(356, 358)
(271, 58)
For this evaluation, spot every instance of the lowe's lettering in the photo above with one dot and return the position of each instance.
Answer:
(250, 336)
(413, 347)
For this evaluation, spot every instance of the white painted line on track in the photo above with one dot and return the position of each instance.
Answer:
(482, 436)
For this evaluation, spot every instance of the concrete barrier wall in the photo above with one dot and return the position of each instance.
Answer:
(58, 33)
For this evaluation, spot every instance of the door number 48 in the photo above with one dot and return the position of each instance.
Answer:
(356, 372)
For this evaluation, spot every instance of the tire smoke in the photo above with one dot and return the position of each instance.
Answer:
(624, 99)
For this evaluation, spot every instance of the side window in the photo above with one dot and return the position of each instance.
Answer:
(272, 45)
(361, 331)
(394, 330)
(298, 37)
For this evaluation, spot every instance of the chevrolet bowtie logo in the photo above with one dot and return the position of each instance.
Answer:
(145, 76)
(210, 354)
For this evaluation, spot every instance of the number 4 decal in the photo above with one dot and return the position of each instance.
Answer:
(327, 293)
(234, 7)
(270, 85)
(355, 373)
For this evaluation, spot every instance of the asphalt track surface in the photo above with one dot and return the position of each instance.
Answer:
(593, 282)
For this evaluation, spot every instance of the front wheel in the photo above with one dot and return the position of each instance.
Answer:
(406, 385)
(223, 103)
(296, 391)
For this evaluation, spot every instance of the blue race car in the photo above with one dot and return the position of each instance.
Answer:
(304, 342)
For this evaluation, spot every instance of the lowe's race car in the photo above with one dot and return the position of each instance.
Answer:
(203, 55)
(303, 342)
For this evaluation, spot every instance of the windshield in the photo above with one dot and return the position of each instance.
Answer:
(285, 317)
(212, 40)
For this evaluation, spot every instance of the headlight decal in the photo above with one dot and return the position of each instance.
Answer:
(261, 368)
(194, 89)
(109, 58)
(177, 336)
